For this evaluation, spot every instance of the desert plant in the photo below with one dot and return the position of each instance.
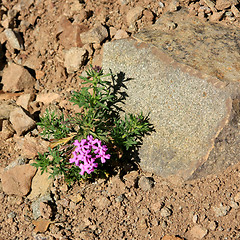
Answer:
(85, 143)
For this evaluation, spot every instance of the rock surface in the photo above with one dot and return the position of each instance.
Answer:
(16, 78)
(75, 58)
(6, 107)
(41, 184)
(14, 39)
(187, 102)
(21, 122)
(30, 146)
(198, 232)
(95, 35)
(209, 48)
(17, 180)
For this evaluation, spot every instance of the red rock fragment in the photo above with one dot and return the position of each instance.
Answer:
(17, 180)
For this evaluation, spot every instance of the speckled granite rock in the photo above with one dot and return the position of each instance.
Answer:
(178, 83)
(208, 47)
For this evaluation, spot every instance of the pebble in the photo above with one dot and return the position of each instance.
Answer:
(212, 225)
(166, 212)
(120, 198)
(96, 35)
(45, 210)
(164, 224)
(12, 215)
(221, 210)
(234, 204)
(173, 6)
(216, 16)
(145, 183)
(133, 15)
(14, 39)
(75, 58)
(195, 218)
(237, 197)
(198, 232)
(235, 11)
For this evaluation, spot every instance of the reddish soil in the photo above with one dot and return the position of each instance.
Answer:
(121, 207)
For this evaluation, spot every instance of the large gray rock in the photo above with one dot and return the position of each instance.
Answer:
(173, 76)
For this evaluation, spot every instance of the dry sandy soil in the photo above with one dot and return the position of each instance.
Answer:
(132, 204)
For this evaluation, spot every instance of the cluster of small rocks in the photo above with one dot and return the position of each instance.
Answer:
(136, 206)
(215, 11)
(67, 36)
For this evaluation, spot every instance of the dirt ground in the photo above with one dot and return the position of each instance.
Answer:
(132, 204)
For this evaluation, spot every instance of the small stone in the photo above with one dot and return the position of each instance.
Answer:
(96, 35)
(21, 122)
(17, 180)
(237, 197)
(120, 34)
(36, 205)
(155, 222)
(216, 16)
(166, 212)
(195, 218)
(133, 15)
(14, 39)
(112, 31)
(161, 4)
(30, 146)
(228, 14)
(120, 198)
(6, 107)
(130, 179)
(210, 4)
(221, 210)
(16, 78)
(156, 206)
(17, 162)
(223, 4)
(12, 215)
(142, 223)
(35, 107)
(39, 74)
(145, 183)
(24, 100)
(45, 210)
(76, 198)
(234, 204)
(47, 98)
(74, 59)
(7, 130)
(69, 34)
(103, 203)
(23, 5)
(198, 232)
(173, 6)
(212, 225)
(235, 11)
(41, 185)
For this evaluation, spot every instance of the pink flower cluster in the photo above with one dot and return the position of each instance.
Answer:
(87, 152)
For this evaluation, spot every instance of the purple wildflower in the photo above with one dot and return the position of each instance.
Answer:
(88, 153)
(103, 157)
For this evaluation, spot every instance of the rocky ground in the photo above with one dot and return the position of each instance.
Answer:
(45, 46)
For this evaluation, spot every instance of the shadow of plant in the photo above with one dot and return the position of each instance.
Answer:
(129, 159)
(104, 121)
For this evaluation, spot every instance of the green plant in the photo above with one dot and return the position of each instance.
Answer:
(90, 138)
